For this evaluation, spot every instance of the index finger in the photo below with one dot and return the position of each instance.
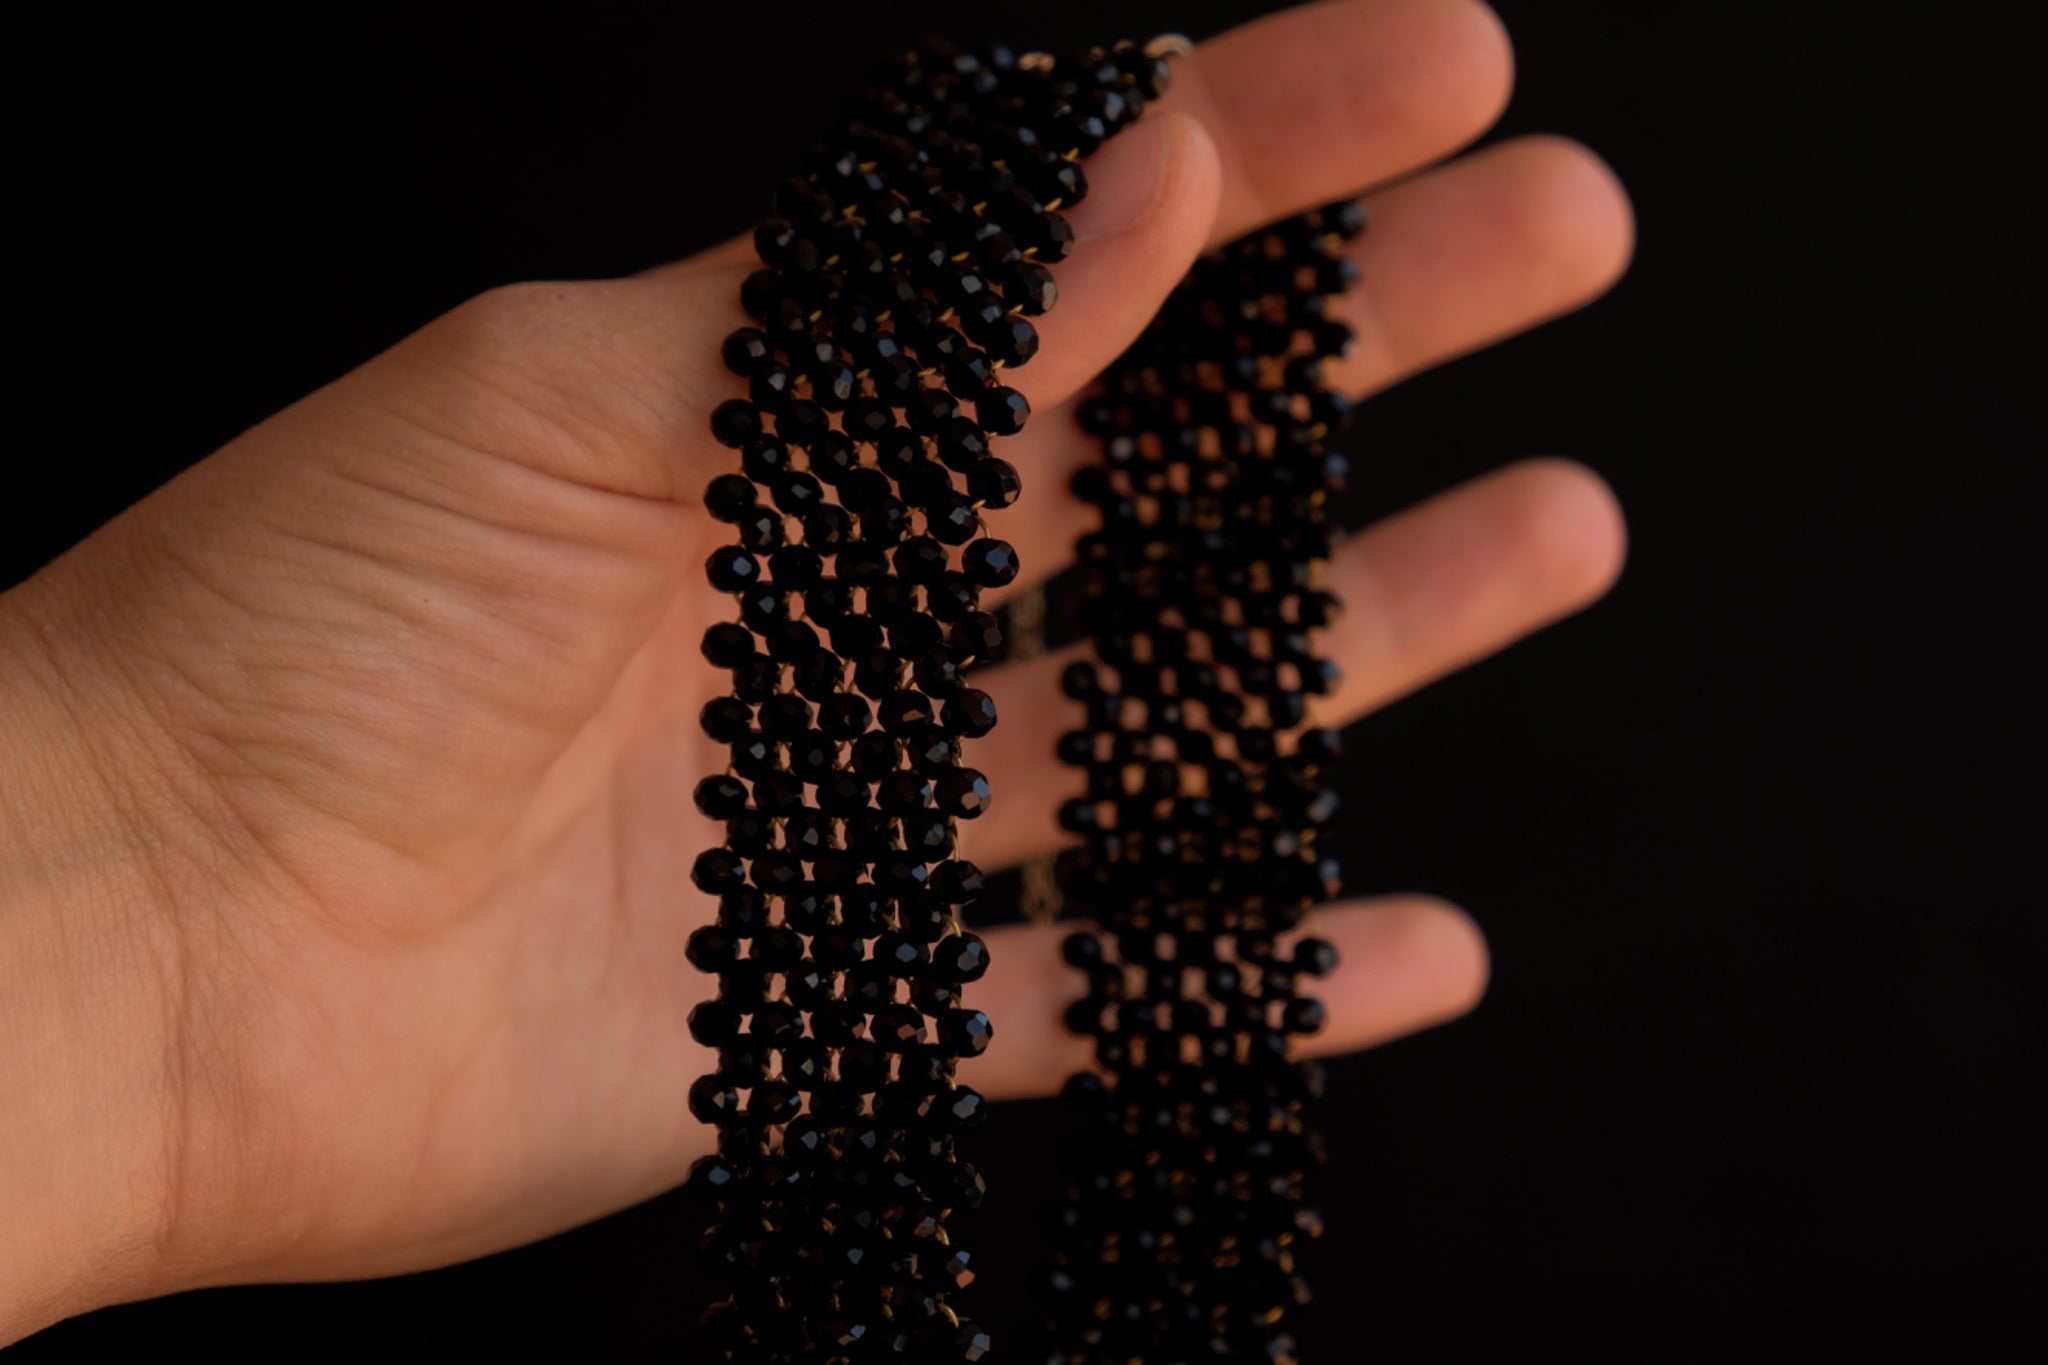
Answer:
(1314, 103)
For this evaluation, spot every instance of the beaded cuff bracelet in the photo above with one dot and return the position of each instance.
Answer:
(902, 271)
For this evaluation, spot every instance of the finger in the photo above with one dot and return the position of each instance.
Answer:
(1425, 593)
(1404, 963)
(1318, 102)
(1143, 222)
(1321, 101)
(1486, 247)
(642, 371)
(1463, 256)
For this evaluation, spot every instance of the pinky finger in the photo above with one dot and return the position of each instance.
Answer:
(1405, 963)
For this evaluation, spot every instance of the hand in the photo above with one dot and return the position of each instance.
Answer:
(345, 818)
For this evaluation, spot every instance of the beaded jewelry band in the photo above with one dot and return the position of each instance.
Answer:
(1201, 814)
(902, 272)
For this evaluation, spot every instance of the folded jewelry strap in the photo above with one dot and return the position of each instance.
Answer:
(903, 268)
(1205, 798)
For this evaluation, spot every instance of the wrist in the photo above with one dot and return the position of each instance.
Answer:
(87, 966)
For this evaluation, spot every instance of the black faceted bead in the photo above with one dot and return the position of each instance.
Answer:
(1082, 949)
(732, 569)
(1028, 285)
(783, 717)
(792, 642)
(802, 422)
(931, 750)
(844, 716)
(818, 672)
(765, 459)
(994, 483)
(868, 420)
(742, 912)
(974, 634)
(760, 528)
(893, 600)
(855, 634)
(721, 797)
(772, 386)
(990, 563)
(717, 870)
(728, 496)
(795, 567)
(899, 955)
(897, 1028)
(714, 1023)
(833, 385)
(951, 600)
(952, 519)
(921, 559)
(928, 410)
(960, 958)
(904, 713)
(778, 793)
(864, 1065)
(798, 492)
(1315, 957)
(745, 350)
(735, 422)
(1304, 1015)
(962, 792)
(726, 719)
(957, 882)
(959, 1110)
(863, 564)
(965, 1033)
(873, 755)
(937, 673)
(814, 757)
(962, 446)
(1001, 411)
(925, 484)
(711, 948)
(969, 712)
(713, 1101)
(755, 679)
(728, 645)
(762, 608)
(912, 632)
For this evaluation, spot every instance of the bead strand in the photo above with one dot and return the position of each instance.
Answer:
(1205, 798)
(901, 273)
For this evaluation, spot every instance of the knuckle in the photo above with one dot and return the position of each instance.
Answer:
(566, 377)
(514, 322)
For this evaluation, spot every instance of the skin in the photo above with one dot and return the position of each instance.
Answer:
(345, 817)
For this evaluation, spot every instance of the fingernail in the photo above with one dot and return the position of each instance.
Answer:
(1125, 179)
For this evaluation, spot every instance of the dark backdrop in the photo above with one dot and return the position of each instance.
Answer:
(1749, 1082)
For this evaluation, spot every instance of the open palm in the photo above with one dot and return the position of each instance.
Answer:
(382, 720)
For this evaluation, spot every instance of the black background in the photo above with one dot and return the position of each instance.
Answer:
(1750, 1079)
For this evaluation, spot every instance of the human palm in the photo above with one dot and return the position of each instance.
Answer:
(347, 795)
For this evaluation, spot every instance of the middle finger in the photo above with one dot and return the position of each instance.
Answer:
(1487, 246)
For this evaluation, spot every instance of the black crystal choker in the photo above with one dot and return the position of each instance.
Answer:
(902, 271)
